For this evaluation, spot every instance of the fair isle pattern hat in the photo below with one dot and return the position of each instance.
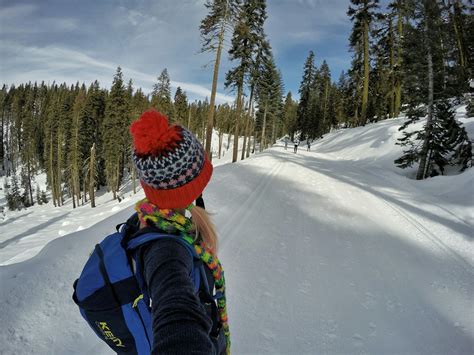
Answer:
(171, 163)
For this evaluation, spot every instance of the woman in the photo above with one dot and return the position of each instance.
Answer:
(174, 170)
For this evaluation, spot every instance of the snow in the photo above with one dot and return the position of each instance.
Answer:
(330, 251)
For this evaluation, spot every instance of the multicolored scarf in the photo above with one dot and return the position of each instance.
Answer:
(173, 222)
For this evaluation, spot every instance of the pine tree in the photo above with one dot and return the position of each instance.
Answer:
(448, 143)
(13, 195)
(247, 34)
(263, 51)
(92, 175)
(90, 131)
(75, 156)
(28, 144)
(324, 97)
(114, 131)
(222, 14)
(363, 15)
(398, 9)
(268, 92)
(304, 112)
(161, 95)
(180, 106)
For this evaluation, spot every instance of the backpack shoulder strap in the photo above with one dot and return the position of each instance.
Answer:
(149, 234)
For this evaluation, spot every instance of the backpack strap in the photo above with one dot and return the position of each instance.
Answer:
(149, 234)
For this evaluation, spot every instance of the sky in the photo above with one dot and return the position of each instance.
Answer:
(85, 40)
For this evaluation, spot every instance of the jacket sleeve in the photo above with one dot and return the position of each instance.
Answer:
(180, 323)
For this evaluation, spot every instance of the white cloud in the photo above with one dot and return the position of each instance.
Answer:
(52, 63)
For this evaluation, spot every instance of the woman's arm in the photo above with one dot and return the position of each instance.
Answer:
(180, 323)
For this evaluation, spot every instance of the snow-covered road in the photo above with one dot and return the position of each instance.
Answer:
(324, 256)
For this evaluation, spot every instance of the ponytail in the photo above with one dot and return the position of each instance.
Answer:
(204, 226)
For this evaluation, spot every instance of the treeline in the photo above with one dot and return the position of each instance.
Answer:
(413, 56)
(79, 135)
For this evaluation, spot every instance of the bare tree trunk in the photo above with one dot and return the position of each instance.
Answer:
(462, 60)
(262, 138)
(251, 133)
(221, 136)
(73, 193)
(51, 170)
(247, 119)
(392, 69)
(58, 180)
(365, 90)
(229, 136)
(92, 176)
(84, 188)
(237, 123)
(424, 164)
(254, 138)
(247, 126)
(273, 130)
(189, 118)
(210, 118)
(398, 85)
(30, 188)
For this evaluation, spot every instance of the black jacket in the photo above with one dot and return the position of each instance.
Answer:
(180, 322)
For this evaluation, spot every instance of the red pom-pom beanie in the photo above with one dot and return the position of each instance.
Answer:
(171, 163)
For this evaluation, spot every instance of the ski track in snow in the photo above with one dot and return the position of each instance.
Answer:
(328, 273)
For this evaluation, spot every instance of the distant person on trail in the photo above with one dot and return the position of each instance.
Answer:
(297, 142)
(286, 143)
(172, 250)
(308, 142)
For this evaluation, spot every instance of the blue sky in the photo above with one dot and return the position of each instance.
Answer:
(71, 40)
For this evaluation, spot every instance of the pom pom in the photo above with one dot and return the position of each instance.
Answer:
(152, 134)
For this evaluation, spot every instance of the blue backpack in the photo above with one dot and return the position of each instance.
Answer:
(111, 293)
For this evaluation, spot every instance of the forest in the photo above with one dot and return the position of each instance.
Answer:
(411, 58)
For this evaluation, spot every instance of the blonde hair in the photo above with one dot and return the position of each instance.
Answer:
(205, 228)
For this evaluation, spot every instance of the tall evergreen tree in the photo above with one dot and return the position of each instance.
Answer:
(268, 92)
(263, 52)
(75, 157)
(114, 131)
(247, 34)
(362, 15)
(222, 14)
(161, 95)
(398, 9)
(180, 106)
(324, 97)
(304, 107)
(28, 144)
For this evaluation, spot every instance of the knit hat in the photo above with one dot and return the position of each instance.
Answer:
(171, 163)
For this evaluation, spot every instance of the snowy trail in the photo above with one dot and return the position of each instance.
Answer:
(325, 252)
(347, 271)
